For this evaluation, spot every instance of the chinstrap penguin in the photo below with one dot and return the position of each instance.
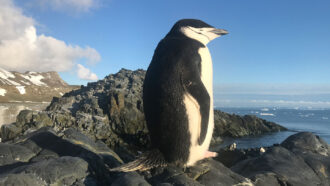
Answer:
(178, 98)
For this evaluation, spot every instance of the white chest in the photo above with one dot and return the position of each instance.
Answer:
(206, 69)
(196, 151)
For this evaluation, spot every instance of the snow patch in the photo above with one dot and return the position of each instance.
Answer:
(35, 79)
(3, 92)
(4, 74)
(25, 82)
(21, 89)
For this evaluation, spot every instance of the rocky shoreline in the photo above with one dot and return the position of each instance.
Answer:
(45, 157)
(101, 125)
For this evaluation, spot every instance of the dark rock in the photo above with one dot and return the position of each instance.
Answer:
(230, 157)
(71, 158)
(206, 172)
(45, 157)
(110, 110)
(233, 125)
(10, 154)
(61, 171)
(270, 179)
(306, 142)
(171, 175)
(320, 165)
(41, 120)
(25, 116)
(130, 179)
(291, 163)
(26, 121)
(282, 162)
(218, 174)
(10, 131)
(314, 150)
(20, 179)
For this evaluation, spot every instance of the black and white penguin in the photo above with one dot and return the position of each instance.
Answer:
(178, 97)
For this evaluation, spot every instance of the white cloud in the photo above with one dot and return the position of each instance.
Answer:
(70, 5)
(12, 22)
(22, 49)
(86, 74)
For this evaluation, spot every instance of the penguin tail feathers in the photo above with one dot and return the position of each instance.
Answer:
(146, 161)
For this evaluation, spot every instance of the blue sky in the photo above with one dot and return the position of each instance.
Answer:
(273, 45)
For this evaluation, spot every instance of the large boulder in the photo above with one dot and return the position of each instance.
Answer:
(45, 157)
(306, 142)
(302, 159)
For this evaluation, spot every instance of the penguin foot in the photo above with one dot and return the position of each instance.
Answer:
(209, 154)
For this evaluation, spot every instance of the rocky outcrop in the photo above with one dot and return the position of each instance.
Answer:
(46, 157)
(232, 125)
(111, 110)
(79, 136)
(302, 159)
(31, 86)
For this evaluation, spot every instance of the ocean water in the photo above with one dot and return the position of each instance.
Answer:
(316, 121)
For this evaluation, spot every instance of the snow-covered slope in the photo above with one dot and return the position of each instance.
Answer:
(31, 86)
(31, 78)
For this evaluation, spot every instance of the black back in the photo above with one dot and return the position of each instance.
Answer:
(174, 70)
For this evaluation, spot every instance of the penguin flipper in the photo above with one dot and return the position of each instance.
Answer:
(194, 85)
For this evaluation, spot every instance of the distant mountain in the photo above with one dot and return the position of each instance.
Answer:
(31, 86)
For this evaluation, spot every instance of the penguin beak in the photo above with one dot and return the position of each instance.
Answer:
(219, 31)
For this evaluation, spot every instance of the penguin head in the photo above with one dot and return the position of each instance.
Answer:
(196, 29)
